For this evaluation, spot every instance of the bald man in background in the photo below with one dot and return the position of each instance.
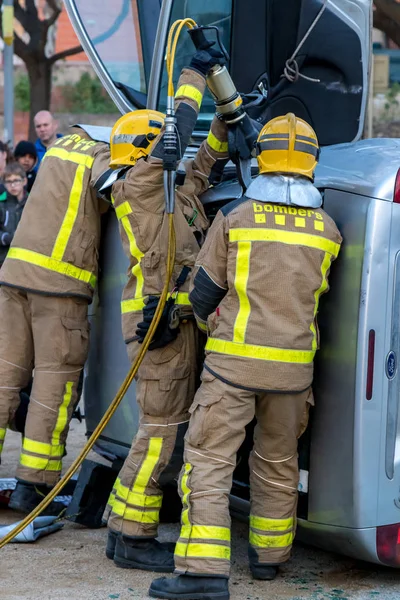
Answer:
(46, 128)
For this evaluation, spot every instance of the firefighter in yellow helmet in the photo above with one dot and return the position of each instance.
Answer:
(166, 380)
(257, 284)
(47, 282)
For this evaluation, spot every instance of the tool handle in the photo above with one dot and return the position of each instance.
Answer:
(199, 39)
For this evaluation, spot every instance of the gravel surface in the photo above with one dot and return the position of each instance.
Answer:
(71, 564)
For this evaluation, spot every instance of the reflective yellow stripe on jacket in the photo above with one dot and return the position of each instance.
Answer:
(284, 237)
(52, 264)
(138, 304)
(122, 211)
(245, 238)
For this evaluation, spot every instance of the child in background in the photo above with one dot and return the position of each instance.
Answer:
(25, 154)
(11, 208)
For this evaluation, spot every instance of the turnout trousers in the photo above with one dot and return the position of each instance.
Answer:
(50, 335)
(219, 415)
(165, 388)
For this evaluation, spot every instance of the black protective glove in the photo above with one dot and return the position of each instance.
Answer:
(204, 60)
(168, 327)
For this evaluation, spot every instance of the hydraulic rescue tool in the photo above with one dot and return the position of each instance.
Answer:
(169, 165)
(242, 130)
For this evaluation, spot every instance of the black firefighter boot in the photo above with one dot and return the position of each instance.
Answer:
(146, 554)
(265, 572)
(27, 496)
(111, 543)
(190, 587)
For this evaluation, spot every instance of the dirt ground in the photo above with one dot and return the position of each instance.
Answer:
(71, 564)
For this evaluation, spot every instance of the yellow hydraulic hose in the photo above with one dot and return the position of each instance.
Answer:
(172, 42)
(117, 400)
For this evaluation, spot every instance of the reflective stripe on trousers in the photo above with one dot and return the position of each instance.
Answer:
(41, 456)
(200, 541)
(271, 533)
(132, 504)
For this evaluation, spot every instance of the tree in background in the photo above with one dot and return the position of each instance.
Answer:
(36, 48)
(387, 18)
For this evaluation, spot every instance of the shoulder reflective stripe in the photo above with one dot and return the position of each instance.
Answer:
(206, 532)
(135, 253)
(123, 210)
(70, 216)
(285, 237)
(260, 352)
(326, 263)
(271, 541)
(138, 304)
(266, 524)
(75, 157)
(148, 465)
(43, 448)
(40, 464)
(241, 279)
(215, 143)
(62, 418)
(40, 260)
(190, 92)
(202, 551)
(138, 516)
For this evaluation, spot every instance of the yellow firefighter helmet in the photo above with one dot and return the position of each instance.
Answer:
(288, 144)
(133, 135)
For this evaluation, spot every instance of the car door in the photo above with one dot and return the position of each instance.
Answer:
(311, 56)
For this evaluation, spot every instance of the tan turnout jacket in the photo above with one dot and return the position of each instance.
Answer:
(139, 203)
(55, 248)
(272, 264)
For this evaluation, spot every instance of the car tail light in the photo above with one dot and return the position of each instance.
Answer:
(388, 544)
(396, 195)
(370, 366)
